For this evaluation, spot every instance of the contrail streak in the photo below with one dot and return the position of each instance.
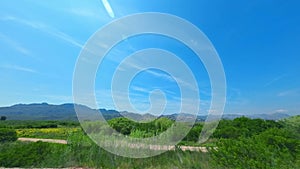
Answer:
(108, 8)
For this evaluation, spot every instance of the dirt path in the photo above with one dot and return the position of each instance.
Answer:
(43, 140)
(190, 148)
(153, 147)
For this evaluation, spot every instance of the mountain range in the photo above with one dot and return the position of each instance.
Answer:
(45, 111)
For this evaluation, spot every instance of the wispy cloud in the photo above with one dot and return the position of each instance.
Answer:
(281, 111)
(87, 13)
(14, 45)
(159, 75)
(141, 103)
(170, 93)
(18, 68)
(44, 28)
(274, 80)
(140, 89)
(172, 79)
(291, 92)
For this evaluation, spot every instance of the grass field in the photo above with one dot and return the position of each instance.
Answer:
(47, 133)
(240, 143)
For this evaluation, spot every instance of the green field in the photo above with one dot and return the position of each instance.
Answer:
(239, 143)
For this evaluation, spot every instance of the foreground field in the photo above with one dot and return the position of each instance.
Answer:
(241, 143)
(152, 147)
(50, 155)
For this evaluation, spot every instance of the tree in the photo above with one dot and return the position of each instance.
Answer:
(7, 135)
(292, 124)
(230, 132)
(122, 125)
(194, 133)
(3, 118)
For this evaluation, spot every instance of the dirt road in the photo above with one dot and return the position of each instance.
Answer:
(43, 140)
(153, 147)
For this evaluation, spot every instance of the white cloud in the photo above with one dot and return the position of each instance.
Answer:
(141, 102)
(44, 28)
(281, 111)
(140, 89)
(292, 92)
(15, 45)
(88, 13)
(274, 80)
(23, 21)
(19, 68)
(159, 75)
(212, 111)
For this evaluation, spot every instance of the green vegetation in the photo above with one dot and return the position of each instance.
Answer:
(243, 127)
(246, 143)
(3, 118)
(7, 135)
(238, 143)
(292, 124)
(90, 155)
(47, 133)
(140, 130)
(20, 124)
(19, 154)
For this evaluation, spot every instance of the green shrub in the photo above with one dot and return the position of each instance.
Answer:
(7, 135)
(273, 148)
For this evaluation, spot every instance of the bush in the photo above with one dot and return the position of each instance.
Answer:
(30, 155)
(7, 135)
(273, 148)
(3, 118)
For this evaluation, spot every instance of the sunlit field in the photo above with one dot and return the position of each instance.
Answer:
(257, 144)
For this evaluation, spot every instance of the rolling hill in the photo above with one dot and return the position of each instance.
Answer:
(45, 111)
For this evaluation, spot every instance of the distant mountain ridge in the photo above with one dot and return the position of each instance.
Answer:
(45, 111)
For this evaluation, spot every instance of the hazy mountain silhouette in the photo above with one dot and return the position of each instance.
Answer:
(46, 111)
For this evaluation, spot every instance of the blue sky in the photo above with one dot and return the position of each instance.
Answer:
(257, 41)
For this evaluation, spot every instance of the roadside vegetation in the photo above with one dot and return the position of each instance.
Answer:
(238, 143)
